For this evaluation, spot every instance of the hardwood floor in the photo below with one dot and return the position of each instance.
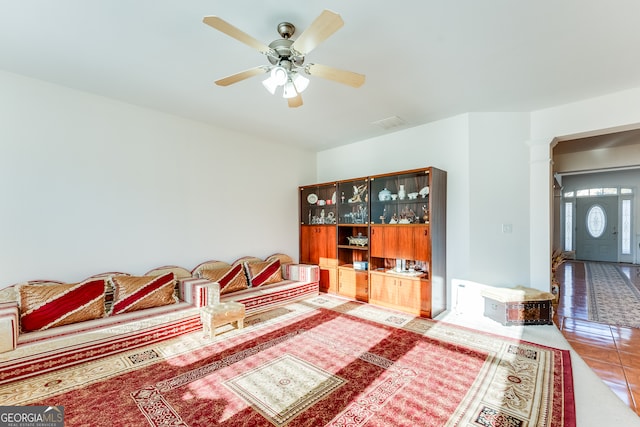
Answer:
(613, 352)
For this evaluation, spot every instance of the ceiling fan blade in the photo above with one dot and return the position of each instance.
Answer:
(295, 102)
(325, 25)
(345, 77)
(238, 77)
(223, 26)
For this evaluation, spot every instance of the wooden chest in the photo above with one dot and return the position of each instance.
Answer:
(519, 313)
(518, 306)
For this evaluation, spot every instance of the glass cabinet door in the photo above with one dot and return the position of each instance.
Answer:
(400, 198)
(318, 204)
(353, 202)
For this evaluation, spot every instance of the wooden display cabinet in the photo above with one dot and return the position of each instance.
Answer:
(380, 239)
(318, 232)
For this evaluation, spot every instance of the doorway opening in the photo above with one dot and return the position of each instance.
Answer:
(592, 167)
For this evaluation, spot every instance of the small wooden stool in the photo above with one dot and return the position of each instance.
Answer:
(221, 314)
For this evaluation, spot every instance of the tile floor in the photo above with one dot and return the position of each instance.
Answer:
(613, 352)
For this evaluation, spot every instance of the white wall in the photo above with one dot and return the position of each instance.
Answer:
(499, 198)
(620, 109)
(89, 184)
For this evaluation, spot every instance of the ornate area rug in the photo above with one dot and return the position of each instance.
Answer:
(613, 298)
(322, 361)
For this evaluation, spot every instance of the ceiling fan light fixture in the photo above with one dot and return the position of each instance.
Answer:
(270, 85)
(300, 82)
(289, 90)
(279, 75)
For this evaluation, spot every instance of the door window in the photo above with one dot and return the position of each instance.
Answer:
(596, 221)
(568, 226)
(626, 226)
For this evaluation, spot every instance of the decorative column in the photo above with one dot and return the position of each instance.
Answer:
(541, 213)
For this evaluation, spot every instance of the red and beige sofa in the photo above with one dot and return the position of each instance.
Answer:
(271, 282)
(46, 325)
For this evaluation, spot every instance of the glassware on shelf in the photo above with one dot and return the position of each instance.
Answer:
(358, 215)
(317, 205)
(358, 240)
(401, 193)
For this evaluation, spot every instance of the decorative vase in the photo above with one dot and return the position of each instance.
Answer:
(384, 195)
(401, 192)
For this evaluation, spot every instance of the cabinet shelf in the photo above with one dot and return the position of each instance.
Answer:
(423, 276)
(358, 248)
(398, 201)
(351, 267)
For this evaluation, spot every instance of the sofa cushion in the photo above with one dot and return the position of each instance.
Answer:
(231, 279)
(108, 291)
(246, 259)
(284, 258)
(133, 293)
(263, 273)
(208, 265)
(180, 272)
(44, 306)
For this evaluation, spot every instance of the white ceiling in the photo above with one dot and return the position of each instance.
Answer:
(423, 59)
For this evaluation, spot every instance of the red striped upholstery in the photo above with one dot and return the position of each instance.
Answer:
(231, 279)
(263, 273)
(49, 305)
(139, 292)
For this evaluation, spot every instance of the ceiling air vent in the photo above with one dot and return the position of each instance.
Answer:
(390, 122)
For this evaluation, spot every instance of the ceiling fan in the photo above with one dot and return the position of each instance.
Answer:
(287, 57)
